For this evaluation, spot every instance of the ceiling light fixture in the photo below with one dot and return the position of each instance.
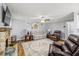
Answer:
(44, 19)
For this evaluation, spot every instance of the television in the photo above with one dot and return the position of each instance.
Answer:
(6, 16)
(3, 12)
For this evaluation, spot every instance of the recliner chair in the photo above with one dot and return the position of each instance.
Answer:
(70, 48)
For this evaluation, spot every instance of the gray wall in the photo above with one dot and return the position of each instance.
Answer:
(17, 27)
(20, 27)
(59, 26)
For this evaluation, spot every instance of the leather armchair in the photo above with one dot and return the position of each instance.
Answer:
(74, 39)
(70, 48)
(55, 36)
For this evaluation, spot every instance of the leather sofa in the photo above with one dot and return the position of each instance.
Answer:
(69, 48)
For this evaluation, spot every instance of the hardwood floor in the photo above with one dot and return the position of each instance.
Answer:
(20, 50)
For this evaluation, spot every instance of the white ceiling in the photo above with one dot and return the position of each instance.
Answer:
(34, 10)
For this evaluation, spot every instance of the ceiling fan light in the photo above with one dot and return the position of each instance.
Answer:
(42, 21)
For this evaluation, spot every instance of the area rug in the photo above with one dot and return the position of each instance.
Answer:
(37, 48)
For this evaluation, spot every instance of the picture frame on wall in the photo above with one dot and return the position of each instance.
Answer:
(35, 26)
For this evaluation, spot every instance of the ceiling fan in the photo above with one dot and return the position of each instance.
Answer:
(44, 19)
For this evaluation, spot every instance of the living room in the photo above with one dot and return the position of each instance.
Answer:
(33, 29)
